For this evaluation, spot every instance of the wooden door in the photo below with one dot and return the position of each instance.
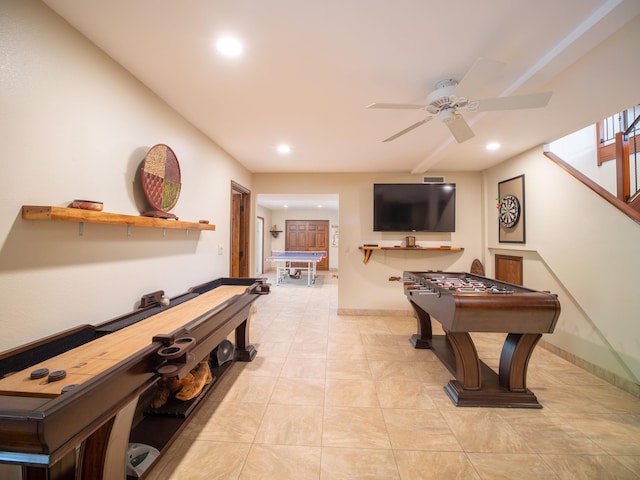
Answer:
(509, 269)
(239, 255)
(308, 235)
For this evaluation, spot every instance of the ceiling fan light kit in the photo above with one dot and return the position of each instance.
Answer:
(449, 115)
(444, 102)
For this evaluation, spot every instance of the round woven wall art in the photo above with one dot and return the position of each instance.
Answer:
(161, 181)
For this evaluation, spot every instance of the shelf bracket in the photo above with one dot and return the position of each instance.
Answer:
(128, 230)
(81, 228)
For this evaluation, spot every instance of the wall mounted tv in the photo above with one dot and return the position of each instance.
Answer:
(414, 207)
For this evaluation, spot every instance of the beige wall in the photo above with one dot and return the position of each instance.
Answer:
(583, 249)
(76, 125)
(366, 288)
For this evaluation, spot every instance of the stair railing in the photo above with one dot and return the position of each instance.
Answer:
(627, 160)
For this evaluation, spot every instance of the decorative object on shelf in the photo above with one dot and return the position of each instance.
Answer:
(161, 181)
(511, 226)
(87, 205)
(274, 231)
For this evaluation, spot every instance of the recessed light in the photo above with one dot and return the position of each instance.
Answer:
(492, 146)
(284, 148)
(229, 46)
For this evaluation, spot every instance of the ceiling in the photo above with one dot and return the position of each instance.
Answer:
(299, 201)
(310, 68)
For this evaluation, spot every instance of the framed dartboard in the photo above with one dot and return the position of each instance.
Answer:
(161, 181)
(509, 211)
(511, 227)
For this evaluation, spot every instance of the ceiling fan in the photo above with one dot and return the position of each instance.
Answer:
(450, 97)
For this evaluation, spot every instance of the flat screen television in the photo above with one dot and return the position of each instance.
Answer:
(414, 207)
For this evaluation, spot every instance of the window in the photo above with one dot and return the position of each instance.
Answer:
(609, 127)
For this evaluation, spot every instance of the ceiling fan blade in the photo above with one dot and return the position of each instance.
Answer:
(515, 102)
(407, 130)
(460, 129)
(403, 106)
(480, 74)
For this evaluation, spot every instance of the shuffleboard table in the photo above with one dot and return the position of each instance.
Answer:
(465, 303)
(68, 402)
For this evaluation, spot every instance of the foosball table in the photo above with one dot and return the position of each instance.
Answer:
(70, 404)
(464, 303)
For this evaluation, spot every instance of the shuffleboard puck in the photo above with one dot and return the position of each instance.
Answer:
(57, 375)
(39, 373)
(68, 388)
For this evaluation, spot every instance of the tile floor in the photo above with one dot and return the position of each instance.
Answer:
(347, 397)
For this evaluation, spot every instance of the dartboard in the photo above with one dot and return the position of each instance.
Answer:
(509, 211)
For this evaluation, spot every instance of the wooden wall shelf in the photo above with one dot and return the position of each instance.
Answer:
(36, 212)
(368, 250)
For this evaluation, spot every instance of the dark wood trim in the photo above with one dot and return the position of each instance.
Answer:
(605, 194)
(240, 228)
(622, 166)
(605, 152)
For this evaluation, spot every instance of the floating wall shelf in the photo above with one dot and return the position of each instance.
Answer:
(368, 250)
(36, 212)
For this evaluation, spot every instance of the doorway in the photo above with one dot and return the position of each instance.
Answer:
(240, 214)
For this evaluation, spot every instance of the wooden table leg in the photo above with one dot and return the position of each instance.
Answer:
(467, 361)
(422, 339)
(514, 360)
(103, 455)
(244, 351)
(477, 385)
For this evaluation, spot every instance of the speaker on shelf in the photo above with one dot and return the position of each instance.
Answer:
(222, 354)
